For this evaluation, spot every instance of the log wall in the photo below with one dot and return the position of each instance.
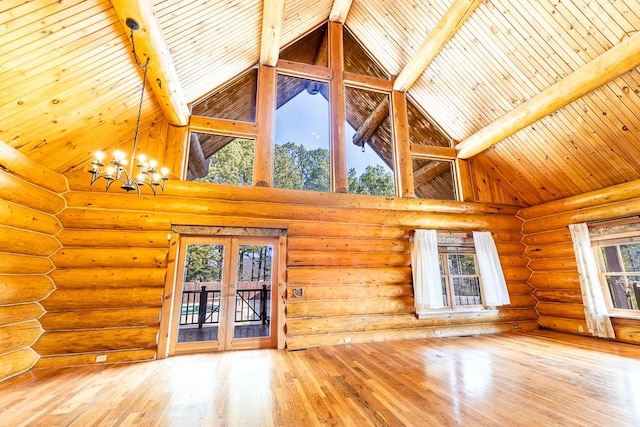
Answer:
(550, 250)
(349, 254)
(29, 201)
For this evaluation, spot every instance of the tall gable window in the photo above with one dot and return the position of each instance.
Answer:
(369, 143)
(301, 154)
(322, 119)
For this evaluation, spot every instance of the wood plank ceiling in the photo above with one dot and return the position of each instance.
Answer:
(69, 86)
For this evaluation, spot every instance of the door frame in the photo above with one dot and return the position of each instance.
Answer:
(173, 285)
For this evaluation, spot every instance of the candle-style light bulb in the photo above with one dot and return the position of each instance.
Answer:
(142, 158)
(118, 155)
(99, 155)
(153, 164)
(164, 172)
(110, 171)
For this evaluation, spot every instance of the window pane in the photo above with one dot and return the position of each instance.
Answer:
(301, 157)
(461, 264)
(611, 259)
(369, 143)
(467, 290)
(433, 179)
(445, 291)
(618, 290)
(634, 292)
(230, 163)
(631, 256)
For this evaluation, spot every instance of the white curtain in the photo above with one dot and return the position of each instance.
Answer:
(493, 283)
(425, 265)
(595, 309)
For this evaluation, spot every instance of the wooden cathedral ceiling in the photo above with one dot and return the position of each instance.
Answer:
(69, 86)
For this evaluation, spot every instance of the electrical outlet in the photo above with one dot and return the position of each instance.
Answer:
(580, 329)
(516, 326)
(438, 333)
(101, 358)
(347, 339)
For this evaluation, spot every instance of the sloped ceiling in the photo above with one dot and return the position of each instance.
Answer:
(69, 86)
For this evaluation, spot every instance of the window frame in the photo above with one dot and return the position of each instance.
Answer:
(448, 277)
(614, 240)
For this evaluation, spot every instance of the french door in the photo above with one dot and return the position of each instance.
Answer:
(225, 294)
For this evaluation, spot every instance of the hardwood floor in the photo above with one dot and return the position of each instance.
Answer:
(540, 378)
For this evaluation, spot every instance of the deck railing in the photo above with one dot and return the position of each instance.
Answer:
(203, 306)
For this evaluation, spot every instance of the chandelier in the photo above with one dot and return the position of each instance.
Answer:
(147, 172)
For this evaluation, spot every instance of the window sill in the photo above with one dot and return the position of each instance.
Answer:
(461, 313)
(632, 315)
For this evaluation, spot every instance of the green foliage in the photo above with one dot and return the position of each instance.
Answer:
(204, 263)
(232, 164)
(374, 180)
(295, 168)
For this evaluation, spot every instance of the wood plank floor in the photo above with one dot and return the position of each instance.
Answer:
(540, 378)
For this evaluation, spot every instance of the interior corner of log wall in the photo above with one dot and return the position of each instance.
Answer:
(554, 275)
(29, 199)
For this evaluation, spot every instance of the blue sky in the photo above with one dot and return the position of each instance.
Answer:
(305, 120)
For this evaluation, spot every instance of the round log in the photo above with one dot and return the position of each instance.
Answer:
(349, 307)
(564, 325)
(19, 164)
(17, 289)
(555, 280)
(547, 237)
(334, 244)
(24, 264)
(77, 299)
(616, 193)
(18, 216)
(21, 192)
(113, 356)
(564, 310)
(26, 242)
(109, 257)
(108, 278)
(16, 362)
(346, 259)
(20, 313)
(69, 342)
(19, 335)
(348, 276)
(560, 250)
(349, 292)
(98, 319)
(554, 264)
(113, 238)
(569, 296)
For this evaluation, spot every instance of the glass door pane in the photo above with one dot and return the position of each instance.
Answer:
(252, 316)
(201, 292)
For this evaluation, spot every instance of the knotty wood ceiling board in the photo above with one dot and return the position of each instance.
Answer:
(69, 86)
(504, 54)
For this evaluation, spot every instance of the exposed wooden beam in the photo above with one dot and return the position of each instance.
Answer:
(611, 64)
(266, 119)
(444, 30)
(304, 71)
(339, 181)
(430, 171)
(272, 16)
(340, 10)
(198, 165)
(367, 82)
(371, 123)
(223, 126)
(402, 151)
(162, 74)
(433, 152)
